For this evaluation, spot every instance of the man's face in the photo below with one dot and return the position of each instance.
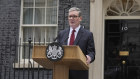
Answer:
(74, 19)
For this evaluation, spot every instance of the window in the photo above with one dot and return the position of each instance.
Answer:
(39, 21)
(123, 8)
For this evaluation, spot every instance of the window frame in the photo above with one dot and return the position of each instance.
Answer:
(21, 42)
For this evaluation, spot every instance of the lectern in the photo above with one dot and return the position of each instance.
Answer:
(73, 59)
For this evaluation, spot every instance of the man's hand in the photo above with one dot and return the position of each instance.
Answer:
(88, 59)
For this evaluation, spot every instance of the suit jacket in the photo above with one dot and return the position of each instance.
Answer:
(85, 41)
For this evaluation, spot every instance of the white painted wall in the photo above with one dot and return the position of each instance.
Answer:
(97, 27)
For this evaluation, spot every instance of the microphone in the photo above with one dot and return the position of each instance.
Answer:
(83, 26)
(65, 40)
(55, 40)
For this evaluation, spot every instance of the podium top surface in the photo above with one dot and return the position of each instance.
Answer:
(73, 58)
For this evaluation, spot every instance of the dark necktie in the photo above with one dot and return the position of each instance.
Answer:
(72, 38)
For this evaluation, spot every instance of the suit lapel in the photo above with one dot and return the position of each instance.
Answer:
(66, 36)
(79, 35)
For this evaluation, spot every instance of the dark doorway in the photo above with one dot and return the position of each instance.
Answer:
(122, 49)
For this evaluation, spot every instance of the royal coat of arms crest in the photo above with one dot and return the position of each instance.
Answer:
(54, 51)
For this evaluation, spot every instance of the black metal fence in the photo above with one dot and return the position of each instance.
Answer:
(16, 63)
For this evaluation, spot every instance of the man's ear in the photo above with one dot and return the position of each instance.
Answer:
(81, 18)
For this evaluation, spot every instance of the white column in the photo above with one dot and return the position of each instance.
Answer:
(97, 27)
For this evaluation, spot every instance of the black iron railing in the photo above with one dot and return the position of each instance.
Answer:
(16, 63)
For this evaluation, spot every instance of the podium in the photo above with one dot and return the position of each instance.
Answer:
(73, 59)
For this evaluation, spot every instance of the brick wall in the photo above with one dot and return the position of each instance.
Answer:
(9, 29)
(9, 24)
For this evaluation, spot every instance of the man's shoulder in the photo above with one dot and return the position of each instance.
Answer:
(86, 31)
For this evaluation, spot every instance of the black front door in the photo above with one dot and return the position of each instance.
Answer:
(122, 49)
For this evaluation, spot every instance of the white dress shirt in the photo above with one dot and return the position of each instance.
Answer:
(75, 33)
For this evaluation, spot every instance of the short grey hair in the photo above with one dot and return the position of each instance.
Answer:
(75, 9)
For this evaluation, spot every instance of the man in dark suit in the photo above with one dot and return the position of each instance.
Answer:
(77, 35)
